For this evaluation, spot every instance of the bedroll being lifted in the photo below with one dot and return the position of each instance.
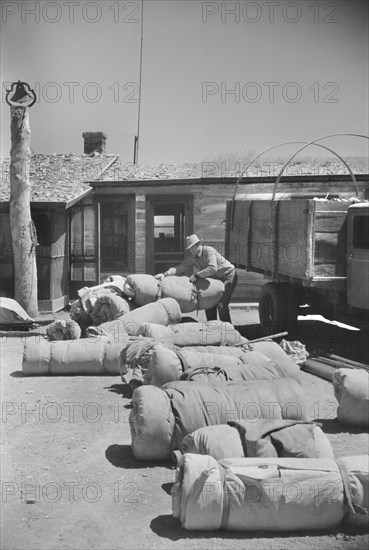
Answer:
(144, 289)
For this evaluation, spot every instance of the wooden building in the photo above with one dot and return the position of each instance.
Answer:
(110, 218)
(57, 182)
(153, 216)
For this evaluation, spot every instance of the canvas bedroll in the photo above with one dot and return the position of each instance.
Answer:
(87, 356)
(167, 364)
(63, 330)
(163, 312)
(270, 494)
(202, 294)
(161, 418)
(351, 389)
(190, 334)
(115, 330)
(214, 334)
(109, 307)
(82, 307)
(142, 288)
(264, 438)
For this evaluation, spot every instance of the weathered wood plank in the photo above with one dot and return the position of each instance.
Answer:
(239, 234)
(261, 235)
(293, 238)
(328, 270)
(331, 206)
(330, 221)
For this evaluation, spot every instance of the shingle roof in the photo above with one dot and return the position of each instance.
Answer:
(209, 169)
(64, 177)
(58, 177)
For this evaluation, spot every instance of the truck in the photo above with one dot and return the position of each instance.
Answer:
(313, 252)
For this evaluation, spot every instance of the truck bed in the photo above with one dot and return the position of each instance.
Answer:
(302, 239)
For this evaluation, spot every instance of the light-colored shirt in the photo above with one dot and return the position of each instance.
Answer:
(208, 264)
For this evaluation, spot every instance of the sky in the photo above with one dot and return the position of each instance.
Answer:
(218, 77)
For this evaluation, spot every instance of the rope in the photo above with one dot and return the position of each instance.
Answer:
(225, 499)
(351, 509)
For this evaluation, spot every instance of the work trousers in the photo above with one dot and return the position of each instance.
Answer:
(222, 308)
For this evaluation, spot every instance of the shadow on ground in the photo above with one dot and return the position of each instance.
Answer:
(168, 527)
(121, 456)
(333, 426)
(320, 336)
(124, 390)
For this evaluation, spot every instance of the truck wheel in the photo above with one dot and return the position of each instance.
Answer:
(292, 310)
(272, 309)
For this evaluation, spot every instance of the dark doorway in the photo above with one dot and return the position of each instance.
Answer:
(117, 226)
(169, 220)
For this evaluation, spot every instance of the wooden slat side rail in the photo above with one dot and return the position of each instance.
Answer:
(330, 236)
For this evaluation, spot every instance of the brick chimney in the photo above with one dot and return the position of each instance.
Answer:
(94, 142)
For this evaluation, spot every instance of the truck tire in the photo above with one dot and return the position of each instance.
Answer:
(272, 309)
(291, 300)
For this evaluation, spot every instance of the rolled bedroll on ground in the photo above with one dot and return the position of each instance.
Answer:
(217, 334)
(351, 389)
(264, 438)
(139, 352)
(270, 494)
(115, 330)
(86, 356)
(142, 288)
(109, 307)
(167, 364)
(161, 418)
(63, 329)
(191, 334)
(163, 312)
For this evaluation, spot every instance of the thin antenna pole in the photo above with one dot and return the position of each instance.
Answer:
(137, 137)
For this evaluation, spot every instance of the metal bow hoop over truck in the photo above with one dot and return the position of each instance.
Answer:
(313, 251)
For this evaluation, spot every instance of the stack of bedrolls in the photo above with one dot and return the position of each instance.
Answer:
(206, 375)
(232, 413)
(108, 316)
(234, 416)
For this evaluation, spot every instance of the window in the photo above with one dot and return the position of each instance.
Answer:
(113, 232)
(361, 232)
(164, 227)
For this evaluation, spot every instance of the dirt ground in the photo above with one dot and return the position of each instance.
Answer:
(69, 479)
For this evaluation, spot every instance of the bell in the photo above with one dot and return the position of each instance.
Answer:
(21, 95)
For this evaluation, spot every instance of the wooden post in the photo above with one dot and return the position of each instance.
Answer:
(23, 231)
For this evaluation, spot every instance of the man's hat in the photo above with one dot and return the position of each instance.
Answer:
(191, 240)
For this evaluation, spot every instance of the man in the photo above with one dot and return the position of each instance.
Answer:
(208, 263)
